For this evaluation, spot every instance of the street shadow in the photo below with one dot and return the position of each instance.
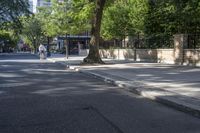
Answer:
(45, 96)
(179, 79)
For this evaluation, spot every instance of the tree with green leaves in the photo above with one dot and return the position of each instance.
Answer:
(32, 31)
(62, 19)
(54, 19)
(173, 16)
(48, 25)
(115, 23)
(124, 18)
(66, 17)
(72, 17)
(8, 40)
(10, 10)
(120, 19)
(95, 16)
(165, 18)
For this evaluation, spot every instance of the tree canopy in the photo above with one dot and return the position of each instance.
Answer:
(124, 18)
(10, 10)
(110, 19)
(173, 16)
(32, 31)
(8, 39)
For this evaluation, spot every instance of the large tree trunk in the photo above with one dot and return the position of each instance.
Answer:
(94, 56)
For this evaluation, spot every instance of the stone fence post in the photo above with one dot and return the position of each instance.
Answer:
(180, 42)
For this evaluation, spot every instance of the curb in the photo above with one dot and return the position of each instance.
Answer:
(64, 64)
(171, 99)
(51, 60)
(54, 61)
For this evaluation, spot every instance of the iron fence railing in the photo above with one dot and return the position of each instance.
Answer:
(140, 43)
(193, 41)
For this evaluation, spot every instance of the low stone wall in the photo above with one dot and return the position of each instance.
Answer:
(152, 55)
(165, 56)
(146, 55)
(117, 53)
(178, 55)
(192, 57)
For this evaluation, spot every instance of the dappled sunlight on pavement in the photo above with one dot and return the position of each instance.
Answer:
(46, 97)
(182, 80)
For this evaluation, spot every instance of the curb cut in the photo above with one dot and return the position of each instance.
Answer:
(168, 98)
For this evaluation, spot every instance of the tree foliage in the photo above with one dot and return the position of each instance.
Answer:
(173, 16)
(168, 17)
(67, 17)
(10, 10)
(8, 38)
(32, 31)
(124, 18)
(116, 19)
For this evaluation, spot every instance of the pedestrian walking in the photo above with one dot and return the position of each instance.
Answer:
(42, 52)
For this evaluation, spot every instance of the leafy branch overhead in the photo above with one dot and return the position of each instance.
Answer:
(32, 31)
(124, 18)
(11, 10)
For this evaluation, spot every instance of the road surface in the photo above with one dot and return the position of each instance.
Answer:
(42, 97)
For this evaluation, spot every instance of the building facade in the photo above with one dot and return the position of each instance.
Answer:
(31, 5)
(40, 3)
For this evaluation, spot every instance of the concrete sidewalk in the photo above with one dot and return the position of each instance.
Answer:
(176, 86)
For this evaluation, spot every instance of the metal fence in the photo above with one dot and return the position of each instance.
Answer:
(152, 42)
(193, 41)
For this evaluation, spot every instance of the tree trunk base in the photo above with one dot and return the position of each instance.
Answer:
(92, 60)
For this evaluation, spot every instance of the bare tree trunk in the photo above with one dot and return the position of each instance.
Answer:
(94, 56)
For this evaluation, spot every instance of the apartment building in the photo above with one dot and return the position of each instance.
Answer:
(40, 3)
(31, 5)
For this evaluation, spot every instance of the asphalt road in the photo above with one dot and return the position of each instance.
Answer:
(41, 97)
